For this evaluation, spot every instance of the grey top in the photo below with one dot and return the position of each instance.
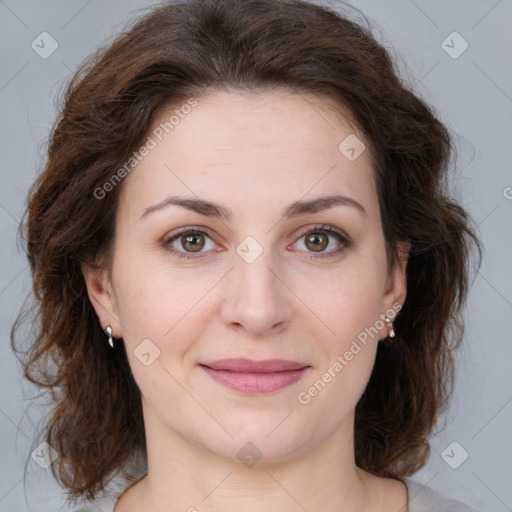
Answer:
(421, 499)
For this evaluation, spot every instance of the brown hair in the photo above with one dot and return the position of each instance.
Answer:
(183, 50)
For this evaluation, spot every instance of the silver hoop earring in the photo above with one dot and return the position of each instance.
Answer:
(391, 330)
(108, 332)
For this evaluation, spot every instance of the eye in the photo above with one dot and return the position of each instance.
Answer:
(317, 239)
(187, 242)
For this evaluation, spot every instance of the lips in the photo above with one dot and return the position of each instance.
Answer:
(255, 377)
(248, 366)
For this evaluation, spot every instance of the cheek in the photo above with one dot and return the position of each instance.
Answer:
(351, 314)
(169, 308)
(350, 307)
(347, 301)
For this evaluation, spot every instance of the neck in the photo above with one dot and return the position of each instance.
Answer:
(185, 476)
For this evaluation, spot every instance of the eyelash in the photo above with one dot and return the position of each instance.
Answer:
(326, 229)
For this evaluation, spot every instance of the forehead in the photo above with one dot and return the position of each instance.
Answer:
(245, 146)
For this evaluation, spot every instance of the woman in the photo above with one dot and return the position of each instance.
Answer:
(247, 268)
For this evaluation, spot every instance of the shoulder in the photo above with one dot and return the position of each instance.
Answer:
(424, 499)
(103, 505)
(421, 499)
(111, 497)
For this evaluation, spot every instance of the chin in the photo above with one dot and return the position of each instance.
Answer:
(265, 437)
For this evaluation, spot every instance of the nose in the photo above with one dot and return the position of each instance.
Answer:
(257, 299)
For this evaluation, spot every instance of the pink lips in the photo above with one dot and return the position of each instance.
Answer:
(255, 377)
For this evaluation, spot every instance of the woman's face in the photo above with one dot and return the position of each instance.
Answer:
(258, 277)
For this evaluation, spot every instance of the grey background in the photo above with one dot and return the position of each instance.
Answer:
(473, 96)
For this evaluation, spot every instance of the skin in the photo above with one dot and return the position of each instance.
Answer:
(255, 154)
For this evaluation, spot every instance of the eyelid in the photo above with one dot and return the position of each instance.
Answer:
(324, 227)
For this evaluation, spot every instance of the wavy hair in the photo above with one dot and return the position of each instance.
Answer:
(185, 49)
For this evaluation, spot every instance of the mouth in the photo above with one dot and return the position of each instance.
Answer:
(255, 377)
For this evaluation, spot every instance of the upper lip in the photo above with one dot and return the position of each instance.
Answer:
(248, 366)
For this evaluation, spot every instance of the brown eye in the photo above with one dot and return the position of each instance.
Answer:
(193, 243)
(189, 243)
(317, 241)
(323, 240)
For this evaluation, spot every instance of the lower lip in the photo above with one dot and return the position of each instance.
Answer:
(255, 383)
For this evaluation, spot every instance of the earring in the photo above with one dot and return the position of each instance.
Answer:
(108, 332)
(391, 331)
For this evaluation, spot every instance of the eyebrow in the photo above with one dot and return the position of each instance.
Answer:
(212, 209)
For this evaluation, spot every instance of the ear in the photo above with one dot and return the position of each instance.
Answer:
(101, 295)
(396, 283)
